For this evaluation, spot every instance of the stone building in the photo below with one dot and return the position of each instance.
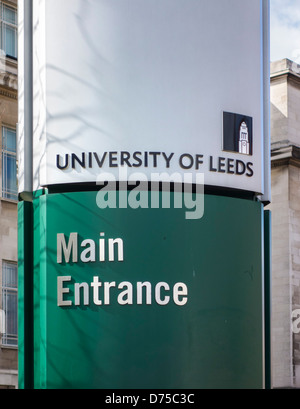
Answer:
(8, 196)
(285, 206)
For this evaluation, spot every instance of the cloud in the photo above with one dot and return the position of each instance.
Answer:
(285, 29)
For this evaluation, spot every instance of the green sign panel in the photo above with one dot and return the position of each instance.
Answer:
(143, 298)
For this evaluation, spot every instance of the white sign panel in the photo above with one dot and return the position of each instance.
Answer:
(148, 86)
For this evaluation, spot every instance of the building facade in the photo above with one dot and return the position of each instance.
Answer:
(285, 159)
(8, 190)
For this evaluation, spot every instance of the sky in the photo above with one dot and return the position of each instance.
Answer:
(285, 30)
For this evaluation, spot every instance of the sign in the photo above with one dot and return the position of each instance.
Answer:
(145, 299)
(135, 88)
(121, 285)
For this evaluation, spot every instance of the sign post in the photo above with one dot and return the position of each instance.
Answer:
(145, 186)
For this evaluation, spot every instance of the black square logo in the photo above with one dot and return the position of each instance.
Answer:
(237, 133)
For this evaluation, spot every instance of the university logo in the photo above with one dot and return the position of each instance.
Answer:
(237, 133)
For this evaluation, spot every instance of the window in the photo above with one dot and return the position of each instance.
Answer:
(9, 164)
(9, 304)
(9, 41)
